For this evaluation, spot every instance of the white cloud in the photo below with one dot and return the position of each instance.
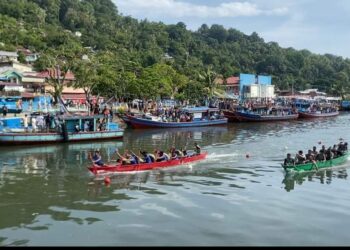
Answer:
(180, 9)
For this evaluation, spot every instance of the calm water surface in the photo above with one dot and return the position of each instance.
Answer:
(47, 196)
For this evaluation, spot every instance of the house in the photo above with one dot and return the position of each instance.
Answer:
(20, 67)
(69, 93)
(7, 56)
(30, 56)
(232, 85)
(10, 75)
(312, 93)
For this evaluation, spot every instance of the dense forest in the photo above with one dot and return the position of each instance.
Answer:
(139, 58)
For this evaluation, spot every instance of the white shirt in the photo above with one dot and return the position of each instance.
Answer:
(25, 121)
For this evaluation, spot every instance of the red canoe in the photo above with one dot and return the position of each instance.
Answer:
(95, 169)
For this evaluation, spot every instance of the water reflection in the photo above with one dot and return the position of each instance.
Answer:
(42, 159)
(291, 180)
(150, 139)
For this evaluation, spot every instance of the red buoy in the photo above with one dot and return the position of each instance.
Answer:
(107, 180)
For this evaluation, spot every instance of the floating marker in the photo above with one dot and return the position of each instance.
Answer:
(247, 155)
(107, 180)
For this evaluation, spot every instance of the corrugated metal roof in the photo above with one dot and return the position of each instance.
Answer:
(8, 53)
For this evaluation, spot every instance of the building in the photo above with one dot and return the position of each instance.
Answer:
(252, 86)
(20, 67)
(232, 86)
(7, 56)
(30, 57)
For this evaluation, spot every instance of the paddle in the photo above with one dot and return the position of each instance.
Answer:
(138, 157)
(315, 165)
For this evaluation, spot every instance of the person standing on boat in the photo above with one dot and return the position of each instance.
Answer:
(289, 161)
(34, 126)
(4, 110)
(25, 122)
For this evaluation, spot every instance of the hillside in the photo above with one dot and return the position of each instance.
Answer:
(141, 48)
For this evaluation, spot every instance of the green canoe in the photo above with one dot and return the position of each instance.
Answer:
(318, 165)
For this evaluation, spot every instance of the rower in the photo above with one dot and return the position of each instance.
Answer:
(300, 157)
(184, 152)
(314, 151)
(310, 156)
(289, 161)
(179, 153)
(197, 148)
(162, 156)
(329, 154)
(97, 159)
(126, 159)
(173, 154)
(146, 157)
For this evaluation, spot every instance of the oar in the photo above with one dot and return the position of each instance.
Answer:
(139, 158)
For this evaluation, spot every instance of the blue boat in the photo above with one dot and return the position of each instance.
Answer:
(201, 116)
(345, 105)
(261, 114)
(71, 129)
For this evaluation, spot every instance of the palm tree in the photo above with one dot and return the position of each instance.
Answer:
(208, 77)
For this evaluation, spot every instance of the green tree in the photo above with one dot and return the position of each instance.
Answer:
(58, 62)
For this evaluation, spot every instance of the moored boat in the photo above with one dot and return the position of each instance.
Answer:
(317, 114)
(317, 165)
(251, 117)
(230, 115)
(201, 116)
(71, 129)
(119, 168)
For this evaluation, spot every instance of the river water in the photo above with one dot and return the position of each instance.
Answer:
(48, 197)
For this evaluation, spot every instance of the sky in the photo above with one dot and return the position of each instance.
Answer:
(320, 26)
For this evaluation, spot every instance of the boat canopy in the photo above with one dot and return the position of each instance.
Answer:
(202, 109)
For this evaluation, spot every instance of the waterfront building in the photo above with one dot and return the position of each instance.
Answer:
(247, 86)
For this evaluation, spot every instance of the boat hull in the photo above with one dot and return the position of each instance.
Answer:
(318, 165)
(140, 123)
(230, 115)
(317, 115)
(40, 138)
(246, 117)
(146, 166)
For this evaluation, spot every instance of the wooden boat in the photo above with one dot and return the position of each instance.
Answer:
(118, 168)
(317, 165)
(201, 117)
(307, 114)
(253, 117)
(67, 133)
(230, 115)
